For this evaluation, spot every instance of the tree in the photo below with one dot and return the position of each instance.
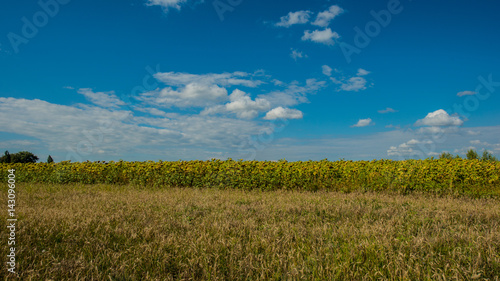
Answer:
(472, 154)
(6, 158)
(446, 155)
(24, 157)
(49, 159)
(487, 156)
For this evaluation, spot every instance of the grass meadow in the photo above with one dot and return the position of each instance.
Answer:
(125, 232)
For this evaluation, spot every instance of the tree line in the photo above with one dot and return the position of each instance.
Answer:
(28, 157)
(22, 157)
(471, 155)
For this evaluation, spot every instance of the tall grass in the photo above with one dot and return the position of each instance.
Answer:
(106, 232)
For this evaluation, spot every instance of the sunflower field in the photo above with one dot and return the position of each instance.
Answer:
(443, 176)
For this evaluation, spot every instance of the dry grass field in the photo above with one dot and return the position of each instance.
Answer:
(110, 232)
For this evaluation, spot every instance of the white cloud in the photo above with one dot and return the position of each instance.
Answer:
(18, 145)
(299, 17)
(192, 95)
(354, 84)
(466, 93)
(391, 126)
(167, 4)
(283, 113)
(473, 133)
(240, 104)
(117, 133)
(410, 149)
(326, 36)
(295, 54)
(193, 90)
(437, 130)
(439, 118)
(223, 79)
(475, 142)
(294, 93)
(103, 99)
(363, 123)
(387, 110)
(327, 70)
(362, 72)
(323, 19)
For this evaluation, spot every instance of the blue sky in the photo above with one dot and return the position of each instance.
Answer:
(300, 80)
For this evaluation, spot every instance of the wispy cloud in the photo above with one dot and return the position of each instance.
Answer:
(324, 18)
(299, 17)
(466, 93)
(354, 84)
(167, 4)
(295, 54)
(362, 72)
(104, 99)
(407, 149)
(387, 110)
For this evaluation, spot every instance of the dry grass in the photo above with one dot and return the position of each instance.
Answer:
(107, 232)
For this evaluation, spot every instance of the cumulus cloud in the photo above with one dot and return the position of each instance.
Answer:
(283, 113)
(325, 36)
(240, 104)
(387, 110)
(94, 130)
(299, 17)
(324, 18)
(466, 93)
(439, 118)
(327, 70)
(194, 90)
(354, 84)
(363, 123)
(104, 99)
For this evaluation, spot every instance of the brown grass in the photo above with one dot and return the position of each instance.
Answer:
(105, 232)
